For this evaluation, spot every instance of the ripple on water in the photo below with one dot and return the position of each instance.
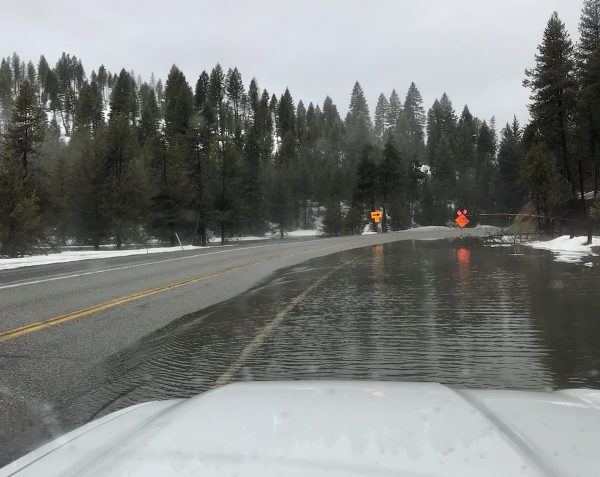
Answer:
(404, 311)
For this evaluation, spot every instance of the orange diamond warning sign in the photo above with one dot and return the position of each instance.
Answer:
(462, 220)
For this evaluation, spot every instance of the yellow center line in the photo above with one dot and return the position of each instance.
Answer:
(266, 331)
(33, 327)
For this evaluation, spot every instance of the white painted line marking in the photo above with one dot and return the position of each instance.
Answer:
(137, 265)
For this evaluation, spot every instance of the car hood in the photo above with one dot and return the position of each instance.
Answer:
(334, 428)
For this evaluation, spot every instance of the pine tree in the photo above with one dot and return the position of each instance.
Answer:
(366, 180)
(279, 199)
(358, 124)
(179, 104)
(265, 122)
(391, 178)
(286, 128)
(51, 88)
(588, 59)
(394, 115)
(553, 88)
(485, 168)
(42, 73)
(123, 98)
(6, 96)
(103, 81)
(55, 208)
(540, 175)
(31, 76)
(89, 113)
(511, 195)
(201, 91)
(254, 99)
(381, 116)
(414, 114)
(448, 117)
(253, 193)
(88, 189)
(123, 187)
(589, 30)
(18, 70)
(216, 93)
(443, 174)
(235, 91)
(26, 129)
(227, 201)
(149, 115)
(466, 138)
(434, 130)
(19, 209)
(67, 73)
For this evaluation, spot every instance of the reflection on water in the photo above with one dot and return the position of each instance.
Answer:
(377, 266)
(463, 256)
(423, 311)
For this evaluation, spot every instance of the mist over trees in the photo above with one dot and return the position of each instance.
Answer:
(93, 157)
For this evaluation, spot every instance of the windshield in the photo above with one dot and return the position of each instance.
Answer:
(196, 194)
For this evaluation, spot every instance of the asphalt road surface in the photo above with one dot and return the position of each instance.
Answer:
(58, 322)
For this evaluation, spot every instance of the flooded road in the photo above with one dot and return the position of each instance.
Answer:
(450, 312)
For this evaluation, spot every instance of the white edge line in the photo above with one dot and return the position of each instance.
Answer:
(137, 265)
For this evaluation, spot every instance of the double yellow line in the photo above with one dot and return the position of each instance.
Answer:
(33, 327)
(23, 330)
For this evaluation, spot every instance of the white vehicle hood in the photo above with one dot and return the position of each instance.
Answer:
(335, 428)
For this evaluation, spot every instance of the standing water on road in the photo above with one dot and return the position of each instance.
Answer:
(454, 313)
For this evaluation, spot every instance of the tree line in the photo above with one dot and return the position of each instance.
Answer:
(108, 158)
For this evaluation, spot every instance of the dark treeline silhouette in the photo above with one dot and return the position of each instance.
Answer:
(102, 157)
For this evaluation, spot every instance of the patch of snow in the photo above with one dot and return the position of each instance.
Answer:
(244, 238)
(432, 228)
(502, 240)
(487, 227)
(566, 249)
(303, 233)
(318, 223)
(367, 230)
(76, 255)
(425, 169)
(587, 195)
(588, 264)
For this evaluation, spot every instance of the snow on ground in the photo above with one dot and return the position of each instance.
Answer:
(76, 255)
(367, 230)
(245, 238)
(432, 228)
(303, 233)
(502, 241)
(566, 249)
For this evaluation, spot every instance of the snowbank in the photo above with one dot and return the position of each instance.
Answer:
(566, 249)
(76, 255)
(245, 238)
(303, 233)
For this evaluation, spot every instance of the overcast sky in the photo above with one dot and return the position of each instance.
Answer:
(475, 50)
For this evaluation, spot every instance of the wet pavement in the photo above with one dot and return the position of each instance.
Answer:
(468, 316)
(450, 312)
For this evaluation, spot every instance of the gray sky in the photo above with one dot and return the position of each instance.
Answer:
(475, 50)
